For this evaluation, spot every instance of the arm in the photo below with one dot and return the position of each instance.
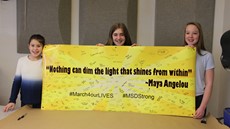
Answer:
(209, 77)
(13, 96)
(15, 89)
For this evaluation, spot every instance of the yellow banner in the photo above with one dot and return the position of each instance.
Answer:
(145, 79)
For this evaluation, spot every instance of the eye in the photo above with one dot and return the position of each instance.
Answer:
(114, 34)
(122, 34)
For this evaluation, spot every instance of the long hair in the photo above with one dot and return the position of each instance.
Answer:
(122, 26)
(200, 44)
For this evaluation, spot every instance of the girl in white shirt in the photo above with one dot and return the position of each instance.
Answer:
(193, 37)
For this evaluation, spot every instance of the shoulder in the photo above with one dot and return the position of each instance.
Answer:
(208, 58)
(26, 60)
(23, 59)
(206, 54)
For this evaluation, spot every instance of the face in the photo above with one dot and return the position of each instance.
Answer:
(118, 37)
(35, 48)
(191, 35)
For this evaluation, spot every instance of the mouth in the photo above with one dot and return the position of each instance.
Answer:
(35, 52)
(190, 40)
(119, 41)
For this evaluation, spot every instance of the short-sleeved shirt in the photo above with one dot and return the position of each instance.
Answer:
(203, 62)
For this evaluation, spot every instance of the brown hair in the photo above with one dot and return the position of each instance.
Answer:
(116, 26)
(200, 44)
(39, 38)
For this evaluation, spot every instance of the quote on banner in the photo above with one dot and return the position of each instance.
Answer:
(144, 79)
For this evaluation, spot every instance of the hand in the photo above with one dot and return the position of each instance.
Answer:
(135, 44)
(190, 46)
(199, 113)
(100, 44)
(9, 106)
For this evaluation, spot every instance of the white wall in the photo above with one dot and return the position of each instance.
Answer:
(8, 52)
(146, 22)
(145, 36)
(220, 97)
(75, 22)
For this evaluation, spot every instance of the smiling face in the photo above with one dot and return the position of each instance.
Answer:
(191, 35)
(118, 37)
(35, 49)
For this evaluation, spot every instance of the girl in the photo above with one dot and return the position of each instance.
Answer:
(119, 36)
(28, 76)
(193, 37)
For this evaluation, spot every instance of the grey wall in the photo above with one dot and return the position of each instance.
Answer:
(50, 18)
(97, 16)
(172, 15)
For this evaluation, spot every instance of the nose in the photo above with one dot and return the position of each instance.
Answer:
(36, 48)
(191, 35)
(119, 36)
